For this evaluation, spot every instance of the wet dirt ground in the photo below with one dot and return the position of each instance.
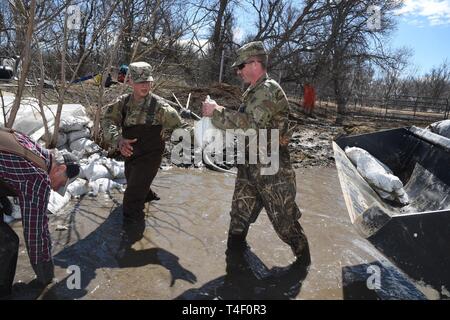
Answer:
(182, 254)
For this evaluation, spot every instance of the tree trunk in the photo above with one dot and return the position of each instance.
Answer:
(47, 136)
(340, 116)
(62, 87)
(216, 40)
(127, 30)
(26, 58)
(341, 100)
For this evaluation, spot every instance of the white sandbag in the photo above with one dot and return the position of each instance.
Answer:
(404, 199)
(441, 128)
(80, 144)
(82, 174)
(85, 146)
(401, 196)
(94, 157)
(104, 185)
(76, 135)
(78, 188)
(57, 202)
(78, 154)
(95, 170)
(74, 123)
(397, 195)
(372, 170)
(115, 168)
(205, 133)
(385, 195)
(62, 140)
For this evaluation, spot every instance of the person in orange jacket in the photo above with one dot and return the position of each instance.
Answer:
(309, 98)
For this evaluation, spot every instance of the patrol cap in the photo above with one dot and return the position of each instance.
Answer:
(140, 72)
(248, 50)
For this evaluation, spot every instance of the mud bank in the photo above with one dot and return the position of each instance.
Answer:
(182, 254)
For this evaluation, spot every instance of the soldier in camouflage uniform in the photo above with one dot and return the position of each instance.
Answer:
(136, 124)
(264, 106)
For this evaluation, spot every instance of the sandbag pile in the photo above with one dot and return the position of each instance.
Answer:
(75, 136)
(378, 175)
(98, 173)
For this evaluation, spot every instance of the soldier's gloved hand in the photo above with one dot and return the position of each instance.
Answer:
(44, 272)
(185, 113)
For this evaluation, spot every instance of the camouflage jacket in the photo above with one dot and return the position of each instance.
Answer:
(264, 106)
(138, 113)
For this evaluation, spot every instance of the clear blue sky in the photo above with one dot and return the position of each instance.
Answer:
(430, 42)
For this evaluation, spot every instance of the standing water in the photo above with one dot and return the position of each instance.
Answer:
(182, 254)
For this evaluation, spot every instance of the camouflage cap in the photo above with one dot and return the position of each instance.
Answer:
(248, 50)
(140, 72)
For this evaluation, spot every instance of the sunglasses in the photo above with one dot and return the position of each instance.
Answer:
(242, 65)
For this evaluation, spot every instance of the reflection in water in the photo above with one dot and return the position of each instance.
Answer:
(106, 247)
(190, 223)
(248, 278)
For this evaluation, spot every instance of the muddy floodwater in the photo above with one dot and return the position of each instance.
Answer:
(182, 254)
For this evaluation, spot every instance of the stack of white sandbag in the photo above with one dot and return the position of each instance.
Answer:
(104, 185)
(378, 175)
(75, 136)
(98, 174)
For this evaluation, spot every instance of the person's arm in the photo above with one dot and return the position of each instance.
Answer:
(169, 118)
(33, 199)
(112, 121)
(262, 110)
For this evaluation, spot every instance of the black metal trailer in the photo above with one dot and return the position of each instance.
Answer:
(416, 237)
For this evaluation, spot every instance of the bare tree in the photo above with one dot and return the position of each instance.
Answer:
(436, 83)
(391, 73)
(63, 87)
(355, 37)
(28, 15)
